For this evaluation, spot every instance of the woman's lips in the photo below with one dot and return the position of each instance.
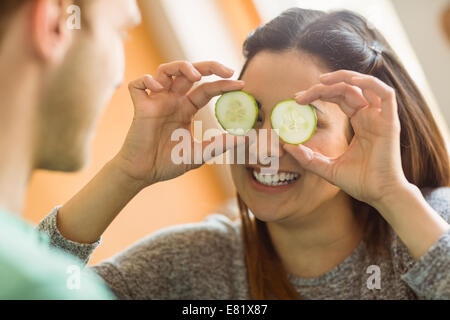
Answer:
(274, 183)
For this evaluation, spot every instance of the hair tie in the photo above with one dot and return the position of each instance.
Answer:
(376, 48)
(377, 59)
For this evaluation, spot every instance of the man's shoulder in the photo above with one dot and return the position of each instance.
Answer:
(31, 269)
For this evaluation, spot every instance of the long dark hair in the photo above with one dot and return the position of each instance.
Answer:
(343, 40)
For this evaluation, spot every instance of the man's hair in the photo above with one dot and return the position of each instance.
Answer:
(7, 8)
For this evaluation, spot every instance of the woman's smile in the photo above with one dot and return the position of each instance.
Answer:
(277, 182)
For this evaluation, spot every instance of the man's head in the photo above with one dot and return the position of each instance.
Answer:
(76, 70)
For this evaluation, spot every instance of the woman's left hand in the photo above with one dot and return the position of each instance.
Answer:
(371, 167)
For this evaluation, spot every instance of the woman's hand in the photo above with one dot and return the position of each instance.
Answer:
(162, 105)
(371, 167)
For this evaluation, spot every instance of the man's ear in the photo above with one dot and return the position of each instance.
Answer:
(50, 36)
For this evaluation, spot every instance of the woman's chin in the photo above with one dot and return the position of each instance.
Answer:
(267, 213)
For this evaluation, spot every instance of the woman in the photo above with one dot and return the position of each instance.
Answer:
(364, 206)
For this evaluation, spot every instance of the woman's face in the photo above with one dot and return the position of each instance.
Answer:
(272, 78)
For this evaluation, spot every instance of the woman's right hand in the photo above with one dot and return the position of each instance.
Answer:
(161, 105)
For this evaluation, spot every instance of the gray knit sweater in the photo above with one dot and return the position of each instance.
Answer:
(205, 261)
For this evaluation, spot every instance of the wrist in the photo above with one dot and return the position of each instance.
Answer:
(404, 192)
(416, 223)
(123, 180)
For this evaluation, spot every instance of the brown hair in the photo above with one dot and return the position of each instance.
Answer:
(7, 8)
(343, 40)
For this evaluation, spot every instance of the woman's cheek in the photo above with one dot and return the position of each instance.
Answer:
(329, 142)
(320, 142)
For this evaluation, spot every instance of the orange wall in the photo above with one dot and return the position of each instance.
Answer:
(243, 17)
(187, 199)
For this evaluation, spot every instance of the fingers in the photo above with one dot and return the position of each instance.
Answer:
(166, 72)
(201, 95)
(208, 68)
(187, 74)
(313, 161)
(182, 85)
(338, 76)
(386, 94)
(371, 87)
(138, 88)
(348, 97)
(372, 98)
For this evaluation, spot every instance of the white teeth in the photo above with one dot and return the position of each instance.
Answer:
(282, 178)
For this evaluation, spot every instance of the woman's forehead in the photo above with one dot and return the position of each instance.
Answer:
(288, 72)
(273, 76)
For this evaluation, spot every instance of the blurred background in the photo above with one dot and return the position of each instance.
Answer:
(418, 30)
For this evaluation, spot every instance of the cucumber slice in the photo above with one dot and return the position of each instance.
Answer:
(294, 123)
(237, 112)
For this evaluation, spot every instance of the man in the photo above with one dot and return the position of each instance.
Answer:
(54, 82)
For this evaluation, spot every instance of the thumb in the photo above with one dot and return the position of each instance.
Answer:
(312, 161)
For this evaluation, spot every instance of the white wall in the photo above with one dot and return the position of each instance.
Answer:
(421, 21)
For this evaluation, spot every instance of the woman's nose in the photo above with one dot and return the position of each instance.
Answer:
(268, 144)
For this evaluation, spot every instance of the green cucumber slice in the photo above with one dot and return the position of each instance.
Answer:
(237, 112)
(294, 123)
